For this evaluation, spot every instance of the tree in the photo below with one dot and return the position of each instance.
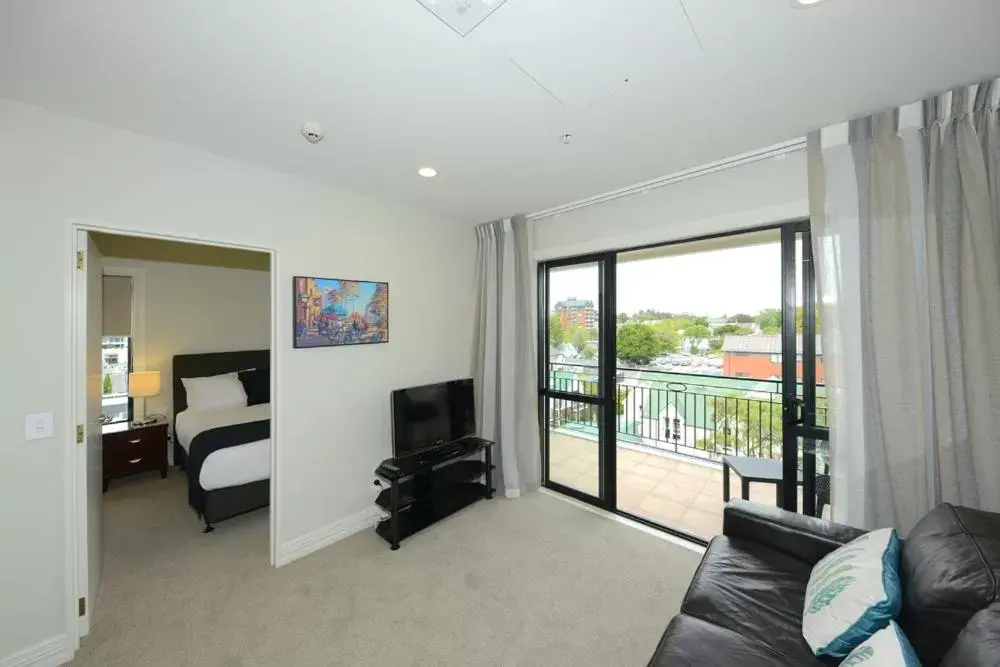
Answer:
(669, 341)
(751, 425)
(715, 344)
(732, 330)
(742, 318)
(578, 339)
(700, 320)
(557, 335)
(798, 320)
(107, 388)
(638, 343)
(622, 318)
(769, 320)
(698, 332)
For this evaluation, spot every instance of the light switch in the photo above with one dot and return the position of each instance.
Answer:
(38, 425)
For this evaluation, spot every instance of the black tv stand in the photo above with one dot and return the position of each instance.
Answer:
(427, 487)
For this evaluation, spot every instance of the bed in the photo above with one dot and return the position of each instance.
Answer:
(231, 479)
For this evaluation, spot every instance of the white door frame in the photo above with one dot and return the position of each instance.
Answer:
(75, 533)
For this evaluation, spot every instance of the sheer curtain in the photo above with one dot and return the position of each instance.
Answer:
(905, 210)
(505, 368)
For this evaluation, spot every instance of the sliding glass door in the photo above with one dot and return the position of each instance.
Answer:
(574, 390)
(675, 377)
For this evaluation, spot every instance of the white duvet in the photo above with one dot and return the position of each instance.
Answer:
(233, 465)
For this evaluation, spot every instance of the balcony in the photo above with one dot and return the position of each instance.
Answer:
(671, 433)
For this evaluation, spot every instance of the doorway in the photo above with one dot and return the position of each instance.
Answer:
(133, 317)
(665, 370)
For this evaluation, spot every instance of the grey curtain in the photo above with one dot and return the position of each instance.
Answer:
(926, 201)
(505, 365)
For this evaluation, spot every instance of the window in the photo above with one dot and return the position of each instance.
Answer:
(116, 406)
(775, 358)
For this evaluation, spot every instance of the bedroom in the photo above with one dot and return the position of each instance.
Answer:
(185, 332)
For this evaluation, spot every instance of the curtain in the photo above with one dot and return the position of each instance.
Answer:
(506, 365)
(905, 208)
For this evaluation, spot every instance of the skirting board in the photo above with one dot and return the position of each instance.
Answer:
(49, 653)
(327, 535)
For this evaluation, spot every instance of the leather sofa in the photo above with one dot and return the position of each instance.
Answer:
(744, 604)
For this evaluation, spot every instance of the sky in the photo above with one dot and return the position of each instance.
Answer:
(713, 283)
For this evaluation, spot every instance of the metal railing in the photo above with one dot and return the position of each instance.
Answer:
(705, 416)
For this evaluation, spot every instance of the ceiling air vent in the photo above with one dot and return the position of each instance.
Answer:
(462, 16)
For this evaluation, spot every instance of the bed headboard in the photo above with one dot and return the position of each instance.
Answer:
(213, 363)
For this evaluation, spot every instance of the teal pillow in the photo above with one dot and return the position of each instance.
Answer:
(888, 647)
(853, 593)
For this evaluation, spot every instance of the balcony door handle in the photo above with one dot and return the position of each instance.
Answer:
(135, 460)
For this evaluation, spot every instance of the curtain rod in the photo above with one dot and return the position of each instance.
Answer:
(703, 170)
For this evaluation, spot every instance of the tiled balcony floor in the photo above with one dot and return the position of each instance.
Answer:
(667, 489)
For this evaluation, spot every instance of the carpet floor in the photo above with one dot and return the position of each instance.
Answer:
(533, 581)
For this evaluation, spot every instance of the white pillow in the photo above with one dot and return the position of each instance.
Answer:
(853, 593)
(888, 647)
(215, 392)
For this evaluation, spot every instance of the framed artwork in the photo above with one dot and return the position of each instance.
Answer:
(332, 311)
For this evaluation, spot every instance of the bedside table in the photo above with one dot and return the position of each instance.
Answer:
(130, 449)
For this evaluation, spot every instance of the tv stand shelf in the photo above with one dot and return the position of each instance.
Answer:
(425, 488)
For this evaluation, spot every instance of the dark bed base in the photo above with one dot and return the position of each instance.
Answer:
(225, 503)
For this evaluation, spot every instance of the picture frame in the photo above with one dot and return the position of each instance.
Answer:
(337, 312)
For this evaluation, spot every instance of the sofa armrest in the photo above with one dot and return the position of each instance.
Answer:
(803, 537)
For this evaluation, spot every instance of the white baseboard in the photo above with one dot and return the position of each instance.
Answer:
(325, 536)
(49, 653)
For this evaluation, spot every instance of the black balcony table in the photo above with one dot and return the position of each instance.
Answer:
(750, 469)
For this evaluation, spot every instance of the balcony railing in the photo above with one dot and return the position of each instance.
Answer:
(704, 416)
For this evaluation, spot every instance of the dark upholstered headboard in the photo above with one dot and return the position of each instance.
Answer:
(213, 363)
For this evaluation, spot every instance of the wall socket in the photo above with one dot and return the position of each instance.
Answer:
(38, 426)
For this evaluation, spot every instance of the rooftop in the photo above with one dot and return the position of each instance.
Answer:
(762, 344)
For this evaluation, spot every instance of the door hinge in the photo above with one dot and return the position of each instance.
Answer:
(82, 605)
(79, 438)
(79, 259)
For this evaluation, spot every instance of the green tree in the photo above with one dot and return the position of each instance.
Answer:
(697, 332)
(700, 320)
(638, 343)
(557, 334)
(107, 388)
(752, 425)
(742, 318)
(732, 330)
(622, 318)
(715, 344)
(578, 339)
(798, 320)
(769, 320)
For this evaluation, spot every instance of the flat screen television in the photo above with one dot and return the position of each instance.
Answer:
(429, 416)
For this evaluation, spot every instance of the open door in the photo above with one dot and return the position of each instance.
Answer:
(87, 411)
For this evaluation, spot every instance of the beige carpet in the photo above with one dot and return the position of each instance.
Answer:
(534, 581)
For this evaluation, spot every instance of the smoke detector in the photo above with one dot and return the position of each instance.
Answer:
(312, 132)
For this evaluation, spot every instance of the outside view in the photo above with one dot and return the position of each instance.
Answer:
(114, 385)
(698, 375)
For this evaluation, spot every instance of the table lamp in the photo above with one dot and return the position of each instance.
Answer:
(143, 384)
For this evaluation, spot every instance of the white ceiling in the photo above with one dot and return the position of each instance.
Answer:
(396, 89)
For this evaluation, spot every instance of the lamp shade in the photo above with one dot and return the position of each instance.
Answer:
(144, 383)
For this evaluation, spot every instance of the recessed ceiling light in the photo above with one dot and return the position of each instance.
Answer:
(427, 172)
(803, 4)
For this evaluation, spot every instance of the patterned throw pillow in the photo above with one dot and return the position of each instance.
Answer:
(888, 647)
(853, 593)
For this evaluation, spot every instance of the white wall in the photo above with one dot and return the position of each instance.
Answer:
(758, 193)
(332, 403)
(191, 309)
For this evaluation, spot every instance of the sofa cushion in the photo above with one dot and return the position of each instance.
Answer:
(692, 642)
(754, 591)
(888, 647)
(978, 644)
(949, 566)
(853, 593)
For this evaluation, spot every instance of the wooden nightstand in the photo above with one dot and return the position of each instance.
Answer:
(131, 449)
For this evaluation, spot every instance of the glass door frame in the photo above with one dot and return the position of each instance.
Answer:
(606, 327)
(799, 415)
(799, 411)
